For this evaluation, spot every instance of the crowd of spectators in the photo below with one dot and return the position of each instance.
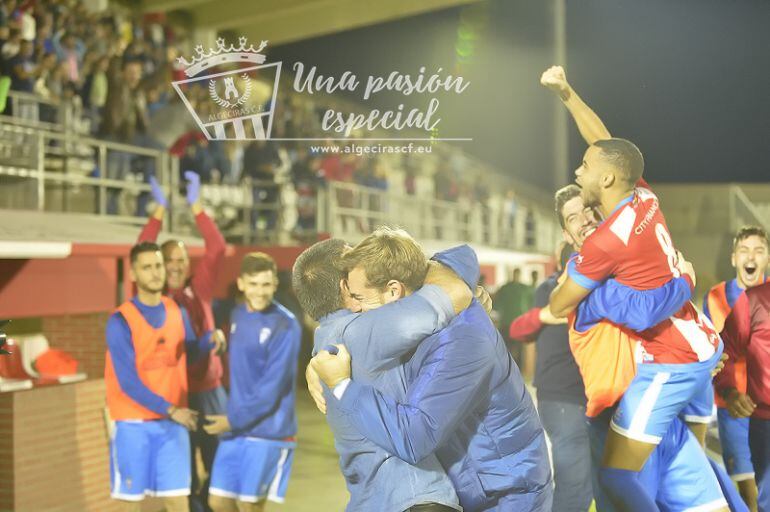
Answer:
(108, 74)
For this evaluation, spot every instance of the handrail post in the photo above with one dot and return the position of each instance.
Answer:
(40, 172)
(102, 176)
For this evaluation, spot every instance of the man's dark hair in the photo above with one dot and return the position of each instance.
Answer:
(256, 262)
(561, 197)
(624, 156)
(316, 278)
(143, 247)
(749, 231)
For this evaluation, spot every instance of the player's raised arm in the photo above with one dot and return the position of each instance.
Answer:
(590, 125)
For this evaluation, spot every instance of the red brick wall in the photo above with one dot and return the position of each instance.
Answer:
(59, 456)
(6, 452)
(82, 336)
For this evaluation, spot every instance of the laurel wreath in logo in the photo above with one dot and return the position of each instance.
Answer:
(225, 103)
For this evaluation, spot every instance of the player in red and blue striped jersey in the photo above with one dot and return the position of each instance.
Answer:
(633, 245)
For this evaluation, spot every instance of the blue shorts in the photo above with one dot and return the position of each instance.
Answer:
(661, 392)
(677, 472)
(251, 469)
(734, 438)
(149, 458)
(679, 475)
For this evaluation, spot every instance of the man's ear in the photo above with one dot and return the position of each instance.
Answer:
(608, 179)
(732, 260)
(395, 289)
(239, 282)
(131, 274)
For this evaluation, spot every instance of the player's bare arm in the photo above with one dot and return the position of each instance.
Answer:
(566, 297)
(444, 277)
(590, 125)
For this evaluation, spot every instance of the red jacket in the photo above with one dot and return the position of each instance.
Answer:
(204, 374)
(747, 334)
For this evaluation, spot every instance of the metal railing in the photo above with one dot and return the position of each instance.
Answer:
(27, 108)
(247, 212)
(64, 171)
(351, 211)
(68, 172)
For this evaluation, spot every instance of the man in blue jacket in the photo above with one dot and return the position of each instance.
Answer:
(254, 457)
(376, 479)
(466, 401)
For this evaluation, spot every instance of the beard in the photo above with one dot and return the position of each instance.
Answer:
(590, 199)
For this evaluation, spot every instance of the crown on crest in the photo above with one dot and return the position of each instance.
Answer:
(222, 54)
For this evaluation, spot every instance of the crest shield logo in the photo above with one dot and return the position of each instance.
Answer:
(237, 103)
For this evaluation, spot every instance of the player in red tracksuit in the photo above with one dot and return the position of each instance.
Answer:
(194, 291)
(750, 258)
(747, 335)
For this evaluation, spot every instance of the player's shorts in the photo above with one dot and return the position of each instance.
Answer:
(661, 392)
(149, 458)
(679, 475)
(734, 438)
(251, 469)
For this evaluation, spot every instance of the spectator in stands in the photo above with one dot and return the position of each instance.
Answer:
(260, 160)
(45, 75)
(95, 91)
(10, 45)
(481, 199)
(44, 40)
(198, 159)
(70, 50)
(150, 450)
(255, 454)
(530, 232)
(195, 292)
(510, 206)
(445, 185)
(306, 180)
(511, 300)
(6, 10)
(410, 181)
(342, 169)
(23, 69)
(126, 121)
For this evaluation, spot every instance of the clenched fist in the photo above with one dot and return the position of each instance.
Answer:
(555, 79)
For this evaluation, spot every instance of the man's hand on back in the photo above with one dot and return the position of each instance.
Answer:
(220, 341)
(314, 388)
(685, 267)
(332, 369)
(482, 295)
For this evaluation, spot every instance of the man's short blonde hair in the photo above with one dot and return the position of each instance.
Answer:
(387, 254)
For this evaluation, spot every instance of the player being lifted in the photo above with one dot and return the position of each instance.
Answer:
(633, 245)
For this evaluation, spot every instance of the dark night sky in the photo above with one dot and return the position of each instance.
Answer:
(687, 80)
